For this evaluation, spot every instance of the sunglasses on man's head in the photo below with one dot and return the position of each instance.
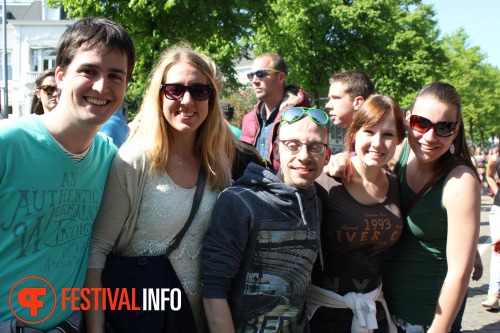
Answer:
(294, 114)
(199, 92)
(48, 89)
(261, 73)
(441, 128)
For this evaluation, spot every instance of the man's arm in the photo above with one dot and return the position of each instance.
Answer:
(218, 315)
(490, 173)
(222, 253)
(94, 317)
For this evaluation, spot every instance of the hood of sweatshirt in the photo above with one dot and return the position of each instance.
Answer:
(288, 199)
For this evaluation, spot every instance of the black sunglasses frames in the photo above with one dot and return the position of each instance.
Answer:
(261, 73)
(199, 92)
(441, 128)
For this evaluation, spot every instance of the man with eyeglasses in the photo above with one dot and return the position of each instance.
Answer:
(53, 170)
(264, 240)
(268, 75)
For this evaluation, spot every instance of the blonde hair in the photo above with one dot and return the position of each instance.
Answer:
(214, 142)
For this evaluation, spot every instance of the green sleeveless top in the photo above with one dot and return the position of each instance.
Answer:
(416, 265)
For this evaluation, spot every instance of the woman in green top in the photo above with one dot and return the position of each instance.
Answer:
(428, 270)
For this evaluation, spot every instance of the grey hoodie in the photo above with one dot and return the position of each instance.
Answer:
(260, 251)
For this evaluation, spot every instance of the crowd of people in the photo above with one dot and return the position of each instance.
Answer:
(280, 237)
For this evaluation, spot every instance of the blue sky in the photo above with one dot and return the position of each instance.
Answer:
(480, 20)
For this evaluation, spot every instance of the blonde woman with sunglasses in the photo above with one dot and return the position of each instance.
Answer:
(154, 175)
(46, 93)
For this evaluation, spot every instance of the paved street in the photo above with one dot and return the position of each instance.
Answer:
(477, 318)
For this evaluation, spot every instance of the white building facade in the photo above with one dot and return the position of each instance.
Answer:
(33, 31)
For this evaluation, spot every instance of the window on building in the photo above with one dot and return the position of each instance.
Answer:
(42, 59)
(9, 67)
(52, 13)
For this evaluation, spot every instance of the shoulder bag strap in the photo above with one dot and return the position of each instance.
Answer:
(427, 186)
(417, 196)
(200, 185)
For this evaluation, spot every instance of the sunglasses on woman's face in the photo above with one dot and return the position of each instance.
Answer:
(199, 92)
(48, 89)
(441, 128)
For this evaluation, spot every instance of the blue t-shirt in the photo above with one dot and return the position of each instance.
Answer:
(116, 128)
(266, 126)
(236, 131)
(48, 203)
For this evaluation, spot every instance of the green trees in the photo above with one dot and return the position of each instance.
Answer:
(478, 84)
(215, 27)
(396, 42)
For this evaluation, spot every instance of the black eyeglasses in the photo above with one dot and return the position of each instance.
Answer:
(261, 73)
(48, 89)
(294, 146)
(294, 114)
(441, 128)
(199, 92)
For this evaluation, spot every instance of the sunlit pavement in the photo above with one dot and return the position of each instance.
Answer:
(476, 317)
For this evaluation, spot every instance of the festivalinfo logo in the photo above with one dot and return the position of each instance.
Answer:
(33, 299)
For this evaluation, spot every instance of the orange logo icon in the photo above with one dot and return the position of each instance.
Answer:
(30, 293)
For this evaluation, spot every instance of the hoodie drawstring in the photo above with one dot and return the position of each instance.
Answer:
(304, 221)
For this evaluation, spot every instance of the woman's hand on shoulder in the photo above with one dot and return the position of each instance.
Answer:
(339, 166)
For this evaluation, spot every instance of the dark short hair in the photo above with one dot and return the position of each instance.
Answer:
(97, 32)
(358, 83)
(227, 110)
(277, 61)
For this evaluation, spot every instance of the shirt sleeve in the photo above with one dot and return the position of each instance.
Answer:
(225, 244)
(113, 212)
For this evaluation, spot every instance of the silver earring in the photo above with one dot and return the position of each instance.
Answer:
(452, 149)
